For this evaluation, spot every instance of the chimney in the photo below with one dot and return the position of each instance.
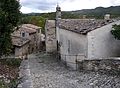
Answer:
(107, 17)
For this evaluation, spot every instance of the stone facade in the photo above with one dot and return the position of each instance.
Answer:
(33, 33)
(21, 51)
(20, 46)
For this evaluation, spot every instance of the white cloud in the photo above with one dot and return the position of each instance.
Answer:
(66, 5)
(88, 4)
(30, 10)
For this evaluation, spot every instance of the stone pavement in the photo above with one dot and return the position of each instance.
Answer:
(46, 72)
(24, 73)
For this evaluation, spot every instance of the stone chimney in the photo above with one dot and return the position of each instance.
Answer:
(57, 23)
(58, 12)
(107, 17)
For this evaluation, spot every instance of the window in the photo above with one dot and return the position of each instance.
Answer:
(38, 30)
(23, 34)
(68, 46)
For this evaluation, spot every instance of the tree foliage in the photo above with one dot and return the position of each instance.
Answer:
(9, 18)
(36, 20)
(116, 31)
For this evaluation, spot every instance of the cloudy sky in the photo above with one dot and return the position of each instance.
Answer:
(28, 6)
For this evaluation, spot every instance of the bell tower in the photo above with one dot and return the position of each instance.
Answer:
(57, 22)
(58, 12)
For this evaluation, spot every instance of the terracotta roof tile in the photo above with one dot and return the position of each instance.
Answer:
(28, 30)
(82, 26)
(30, 26)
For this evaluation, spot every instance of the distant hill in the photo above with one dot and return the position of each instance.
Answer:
(98, 12)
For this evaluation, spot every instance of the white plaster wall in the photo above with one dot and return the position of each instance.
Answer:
(101, 43)
(58, 34)
(76, 43)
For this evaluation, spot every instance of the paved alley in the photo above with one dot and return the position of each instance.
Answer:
(46, 72)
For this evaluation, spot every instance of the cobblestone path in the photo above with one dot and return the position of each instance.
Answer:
(46, 72)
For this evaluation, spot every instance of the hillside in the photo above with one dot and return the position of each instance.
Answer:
(98, 12)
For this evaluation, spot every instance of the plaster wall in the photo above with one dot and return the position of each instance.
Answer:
(102, 44)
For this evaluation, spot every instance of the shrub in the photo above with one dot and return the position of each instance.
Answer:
(116, 31)
(11, 62)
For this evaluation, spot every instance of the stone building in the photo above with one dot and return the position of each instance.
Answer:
(33, 33)
(27, 32)
(79, 39)
(20, 46)
(107, 17)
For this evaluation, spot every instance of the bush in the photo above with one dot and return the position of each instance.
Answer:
(12, 84)
(116, 31)
(11, 62)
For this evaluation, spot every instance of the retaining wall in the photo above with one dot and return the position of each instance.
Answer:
(100, 64)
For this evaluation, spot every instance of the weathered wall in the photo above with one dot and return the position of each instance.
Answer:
(50, 38)
(101, 43)
(39, 41)
(108, 65)
(72, 44)
(33, 43)
(21, 51)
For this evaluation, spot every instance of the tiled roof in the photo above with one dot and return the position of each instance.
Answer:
(82, 26)
(19, 41)
(31, 26)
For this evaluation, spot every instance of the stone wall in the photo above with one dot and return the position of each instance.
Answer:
(21, 51)
(99, 65)
(50, 37)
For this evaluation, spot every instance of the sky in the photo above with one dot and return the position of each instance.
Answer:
(41, 6)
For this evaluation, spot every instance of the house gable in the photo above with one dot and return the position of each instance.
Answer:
(102, 44)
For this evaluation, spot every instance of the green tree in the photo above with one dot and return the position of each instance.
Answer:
(116, 31)
(36, 20)
(9, 19)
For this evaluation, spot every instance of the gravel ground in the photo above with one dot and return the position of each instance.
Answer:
(46, 72)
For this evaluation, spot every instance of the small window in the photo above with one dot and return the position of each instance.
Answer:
(68, 46)
(38, 30)
(23, 34)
